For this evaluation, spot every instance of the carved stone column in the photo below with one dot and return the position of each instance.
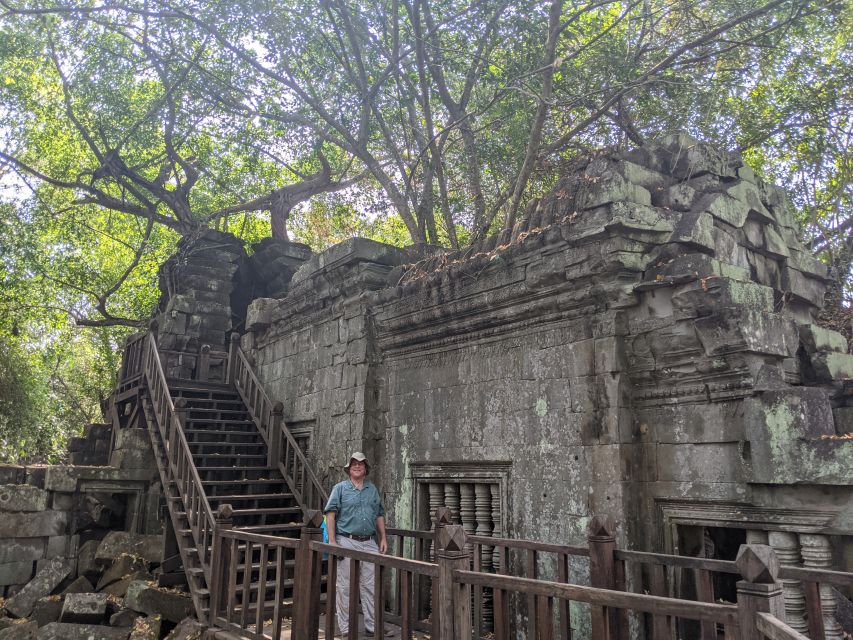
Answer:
(787, 548)
(817, 554)
(451, 501)
(756, 536)
(436, 500)
(483, 514)
(466, 510)
(497, 531)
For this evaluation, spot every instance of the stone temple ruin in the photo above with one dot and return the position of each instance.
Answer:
(641, 346)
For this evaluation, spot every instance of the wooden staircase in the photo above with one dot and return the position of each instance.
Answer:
(226, 463)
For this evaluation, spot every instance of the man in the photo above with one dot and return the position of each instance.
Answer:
(354, 517)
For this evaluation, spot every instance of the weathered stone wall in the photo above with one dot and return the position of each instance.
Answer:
(50, 512)
(641, 345)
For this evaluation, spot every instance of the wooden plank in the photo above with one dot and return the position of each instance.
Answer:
(354, 588)
(278, 610)
(247, 582)
(501, 614)
(661, 624)
(232, 582)
(532, 572)
(705, 593)
(331, 596)
(545, 618)
(379, 601)
(814, 610)
(621, 584)
(262, 588)
(478, 593)
(563, 608)
(406, 604)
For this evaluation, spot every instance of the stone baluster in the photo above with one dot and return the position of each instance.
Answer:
(817, 554)
(756, 536)
(483, 514)
(466, 511)
(787, 549)
(451, 501)
(436, 500)
(497, 532)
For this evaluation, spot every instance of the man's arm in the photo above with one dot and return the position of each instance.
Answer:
(330, 527)
(380, 528)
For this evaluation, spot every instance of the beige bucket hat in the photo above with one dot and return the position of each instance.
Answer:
(358, 455)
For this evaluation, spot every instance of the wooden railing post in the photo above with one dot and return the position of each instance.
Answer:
(442, 520)
(233, 345)
(306, 583)
(274, 442)
(202, 365)
(602, 574)
(760, 590)
(219, 561)
(454, 599)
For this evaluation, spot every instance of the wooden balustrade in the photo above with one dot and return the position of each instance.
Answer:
(251, 573)
(180, 469)
(132, 362)
(283, 451)
(522, 557)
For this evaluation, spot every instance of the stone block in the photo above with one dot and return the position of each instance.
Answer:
(81, 584)
(123, 618)
(788, 414)
(62, 502)
(12, 474)
(119, 587)
(22, 497)
(20, 549)
(84, 608)
(815, 338)
(724, 208)
(802, 287)
(696, 230)
(171, 605)
(124, 565)
(46, 580)
(61, 546)
(86, 559)
(704, 297)
(742, 329)
(71, 631)
(188, 629)
(47, 610)
(678, 197)
(23, 631)
(829, 366)
(261, 313)
(15, 572)
(117, 543)
(712, 462)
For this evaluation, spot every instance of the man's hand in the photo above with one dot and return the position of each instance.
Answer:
(383, 545)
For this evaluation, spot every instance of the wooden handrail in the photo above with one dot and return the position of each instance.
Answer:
(284, 451)
(180, 465)
(774, 629)
(725, 614)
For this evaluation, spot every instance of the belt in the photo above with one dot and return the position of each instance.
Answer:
(354, 537)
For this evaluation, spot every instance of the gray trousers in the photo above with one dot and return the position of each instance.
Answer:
(367, 573)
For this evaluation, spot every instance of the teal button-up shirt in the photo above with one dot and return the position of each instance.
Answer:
(355, 510)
